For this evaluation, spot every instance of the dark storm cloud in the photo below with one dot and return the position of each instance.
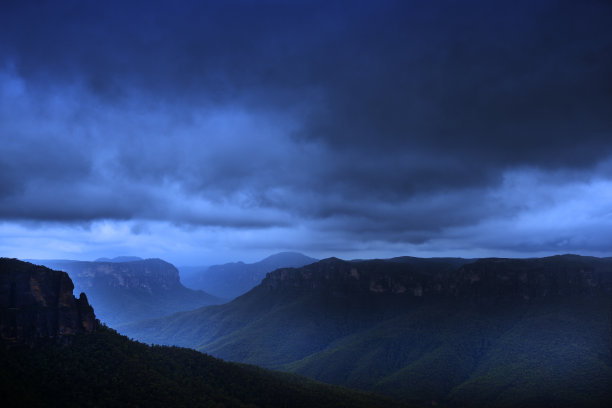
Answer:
(500, 84)
(204, 50)
(390, 120)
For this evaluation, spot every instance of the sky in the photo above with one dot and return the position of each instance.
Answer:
(207, 132)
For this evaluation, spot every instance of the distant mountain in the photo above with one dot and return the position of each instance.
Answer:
(234, 279)
(489, 332)
(120, 259)
(123, 292)
(54, 354)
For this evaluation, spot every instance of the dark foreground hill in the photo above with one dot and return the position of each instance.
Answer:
(236, 278)
(124, 291)
(77, 363)
(492, 332)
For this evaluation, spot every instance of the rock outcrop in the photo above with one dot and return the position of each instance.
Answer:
(37, 305)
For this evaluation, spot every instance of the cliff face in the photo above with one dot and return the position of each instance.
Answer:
(527, 279)
(373, 277)
(524, 279)
(37, 305)
(150, 276)
(124, 292)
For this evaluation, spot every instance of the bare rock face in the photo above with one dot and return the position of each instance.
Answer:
(536, 278)
(37, 305)
(125, 292)
(480, 280)
(152, 276)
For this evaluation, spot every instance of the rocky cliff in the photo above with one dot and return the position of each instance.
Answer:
(493, 278)
(37, 305)
(124, 292)
(528, 279)
(150, 275)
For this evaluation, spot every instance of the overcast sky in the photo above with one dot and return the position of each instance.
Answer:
(205, 132)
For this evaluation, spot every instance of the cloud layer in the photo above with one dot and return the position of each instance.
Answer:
(345, 127)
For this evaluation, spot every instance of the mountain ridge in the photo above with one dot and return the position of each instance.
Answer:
(560, 274)
(121, 258)
(233, 279)
(454, 331)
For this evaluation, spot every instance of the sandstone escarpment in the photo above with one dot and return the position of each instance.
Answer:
(152, 276)
(480, 280)
(37, 305)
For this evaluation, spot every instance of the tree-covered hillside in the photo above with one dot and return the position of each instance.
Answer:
(493, 332)
(105, 369)
(53, 353)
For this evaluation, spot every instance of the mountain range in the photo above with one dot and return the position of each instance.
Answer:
(119, 259)
(236, 278)
(486, 332)
(54, 353)
(125, 290)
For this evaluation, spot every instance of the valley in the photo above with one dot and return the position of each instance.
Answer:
(497, 332)
(53, 353)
